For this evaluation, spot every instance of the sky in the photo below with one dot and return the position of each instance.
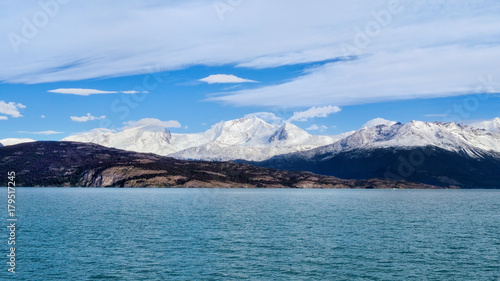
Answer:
(70, 66)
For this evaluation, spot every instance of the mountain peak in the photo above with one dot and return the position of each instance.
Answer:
(377, 122)
(489, 125)
(240, 131)
(288, 131)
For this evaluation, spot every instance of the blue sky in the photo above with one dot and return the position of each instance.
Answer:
(70, 66)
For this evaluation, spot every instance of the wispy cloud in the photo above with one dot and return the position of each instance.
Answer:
(81, 92)
(420, 73)
(11, 109)
(266, 116)
(419, 54)
(152, 122)
(88, 92)
(224, 79)
(133, 92)
(170, 38)
(86, 118)
(49, 132)
(315, 127)
(3, 118)
(314, 112)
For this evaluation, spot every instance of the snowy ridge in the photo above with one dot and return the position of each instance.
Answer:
(449, 136)
(253, 139)
(147, 138)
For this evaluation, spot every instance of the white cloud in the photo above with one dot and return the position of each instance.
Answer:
(88, 92)
(86, 118)
(378, 121)
(11, 109)
(134, 92)
(224, 78)
(422, 73)
(314, 112)
(49, 132)
(3, 118)
(152, 122)
(81, 92)
(418, 53)
(42, 116)
(315, 127)
(266, 116)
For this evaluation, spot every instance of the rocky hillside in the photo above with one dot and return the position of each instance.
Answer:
(89, 165)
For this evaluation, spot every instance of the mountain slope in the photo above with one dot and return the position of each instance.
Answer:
(90, 165)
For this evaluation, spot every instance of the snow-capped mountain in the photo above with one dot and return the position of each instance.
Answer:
(14, 141)
(378, 121)
(449, 136)
(145, 138)
(244, 131)
(253, 139)
(249, 138)
(490, 125)
(446, 154)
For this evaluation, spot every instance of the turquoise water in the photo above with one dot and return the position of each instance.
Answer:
(256, 234)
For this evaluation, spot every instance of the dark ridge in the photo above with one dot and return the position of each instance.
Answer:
(65, 164)
(429, 165)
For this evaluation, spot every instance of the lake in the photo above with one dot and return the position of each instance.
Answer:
(254, 234)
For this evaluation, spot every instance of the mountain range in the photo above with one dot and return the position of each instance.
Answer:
(249, 138)
(437, 153)
(72, 164)
(445, 154)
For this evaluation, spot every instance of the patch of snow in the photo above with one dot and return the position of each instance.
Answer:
(14, 141)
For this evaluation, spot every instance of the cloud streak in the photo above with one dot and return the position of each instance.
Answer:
(171, 36)
(266, 116)
(417, 54)
(314, 112)
(152, 122)
(315, 127)
(86, 118)
(420, 73)
(47, 133)
(225, 79)
(88, 92)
